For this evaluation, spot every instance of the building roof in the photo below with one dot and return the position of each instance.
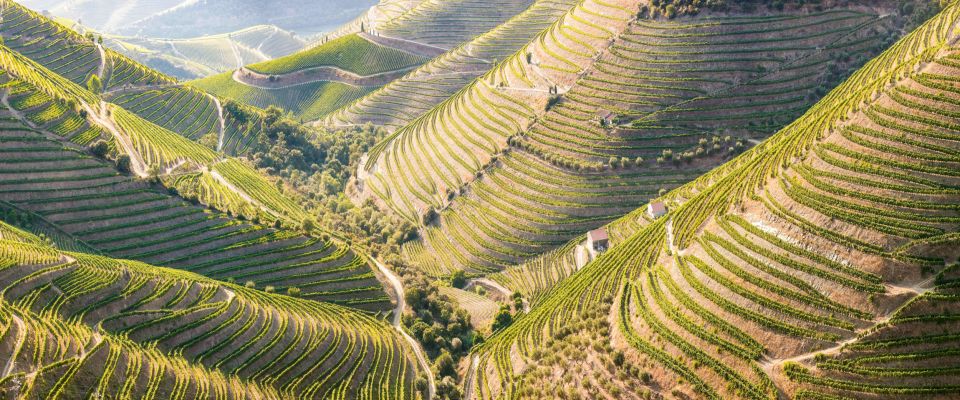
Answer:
(657, 207)
(604, 114)
(597, 235)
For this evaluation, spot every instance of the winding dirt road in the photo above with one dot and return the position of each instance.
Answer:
(394, 281)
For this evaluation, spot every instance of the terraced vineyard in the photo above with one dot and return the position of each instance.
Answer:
(351, 53)
(815, 265)
(568, 172)
(87, 199)
(307, 101)
(475, 33)
(80, 325)
(67, 53)
(806, 155)
(410, 97)
(446, 24)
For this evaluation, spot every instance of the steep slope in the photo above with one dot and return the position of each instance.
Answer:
(76, 58)
(787, 269)
(523, 169)
(68, 53)
(78, 325)
(88, 200)
(402, 101)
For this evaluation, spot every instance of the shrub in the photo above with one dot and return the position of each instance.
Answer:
(94, 84)
(444, 365)
(99, 149)
(458, 279)
(123, 163)
(502, 319)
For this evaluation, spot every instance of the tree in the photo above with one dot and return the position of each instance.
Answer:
(249, 285)
(458, 279)
(670, 11)
(502, 319)
(293, 291)
(429, 216)
(99, 149)
(308, 224)
(210, 140)
(614, 162)
(153, 174)
(123, 163)
(94, 84)
(444, 365)
(421, 384)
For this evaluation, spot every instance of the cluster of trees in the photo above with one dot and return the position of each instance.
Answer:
(439, 325)
(704, 148)
(674, 8)
(318, 165)
(101, 149)
(913, 11)
(503, 318)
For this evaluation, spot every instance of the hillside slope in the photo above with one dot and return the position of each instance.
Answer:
(78, 325)
(519, 162)
(343, 68)
(87, 201)
(405, 99)
(815, 265)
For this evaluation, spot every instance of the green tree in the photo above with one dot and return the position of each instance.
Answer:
(99, 149)
(502, 319)
(123, 163)
(444, 365)
(308, 224)
(94, 84)
(458, 279)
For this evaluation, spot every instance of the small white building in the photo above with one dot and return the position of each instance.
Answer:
(597, 239)
(656, 209)
(605, 117)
